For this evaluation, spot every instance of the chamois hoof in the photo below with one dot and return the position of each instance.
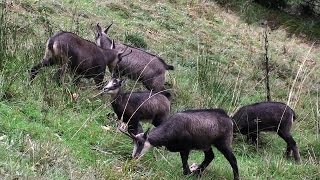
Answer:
(186, 172)
(123, 127)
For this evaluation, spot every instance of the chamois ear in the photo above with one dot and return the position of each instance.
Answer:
(99, 29)
(129, 134)
(107, 29)
(134, 137)
(145, 135)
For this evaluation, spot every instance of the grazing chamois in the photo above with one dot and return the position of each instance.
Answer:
(83, 57)
(191, 130)
(267, 116)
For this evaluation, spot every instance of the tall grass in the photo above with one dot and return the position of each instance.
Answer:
(3, 33)
(4, 51)
(214, 82)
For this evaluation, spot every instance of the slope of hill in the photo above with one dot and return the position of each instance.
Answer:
(46, 132)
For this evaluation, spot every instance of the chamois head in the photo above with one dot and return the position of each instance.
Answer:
(141, 143)
(113, 86)
(102, 38)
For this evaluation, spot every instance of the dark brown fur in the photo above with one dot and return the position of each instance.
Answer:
(137, 106)
(83, 57)
(267, 116)
(192, 130)
(138, 65)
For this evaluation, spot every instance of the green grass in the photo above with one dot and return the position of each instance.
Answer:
(303, 26)
(47, 134)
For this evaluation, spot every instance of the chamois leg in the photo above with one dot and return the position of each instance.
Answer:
(253, 136)
(157, 120)
(57, 76)
(63, 73)
(291, 145)
(99, 80)
(140, 129)
(76, 80)
(155, 84)
(60, 74)
(184, 158)
(35, 69)
(225, 149)
(208, 157)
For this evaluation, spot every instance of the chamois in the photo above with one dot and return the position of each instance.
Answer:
(191, 130)
(267, 116)
(139, 65)
(83, 57)
(136, 106)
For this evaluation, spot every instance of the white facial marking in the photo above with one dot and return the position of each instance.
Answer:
(194, 167)
(134, 151)
(99, 42)
(112, 91)
(110, 84)
(146, 147)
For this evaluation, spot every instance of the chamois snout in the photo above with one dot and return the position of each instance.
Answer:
(141, 145)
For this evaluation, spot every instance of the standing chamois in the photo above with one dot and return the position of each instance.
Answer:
(267, 116)
(83, 57)
(138, 65)
(191, 130)
(136, 106)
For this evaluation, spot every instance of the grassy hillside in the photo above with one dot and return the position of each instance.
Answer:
(47, 133)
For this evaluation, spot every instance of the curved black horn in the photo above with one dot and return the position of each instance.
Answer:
(126, 54)
(98, 28)
(146, 133)
(106, 31)
(120, 54)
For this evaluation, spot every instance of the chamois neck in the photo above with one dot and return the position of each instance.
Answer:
(109, 52)
(116, 95)
(156, 138)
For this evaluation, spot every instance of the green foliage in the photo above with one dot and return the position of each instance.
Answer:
(4, 34)
(254, 13)
(213, 82)
(120, 10)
